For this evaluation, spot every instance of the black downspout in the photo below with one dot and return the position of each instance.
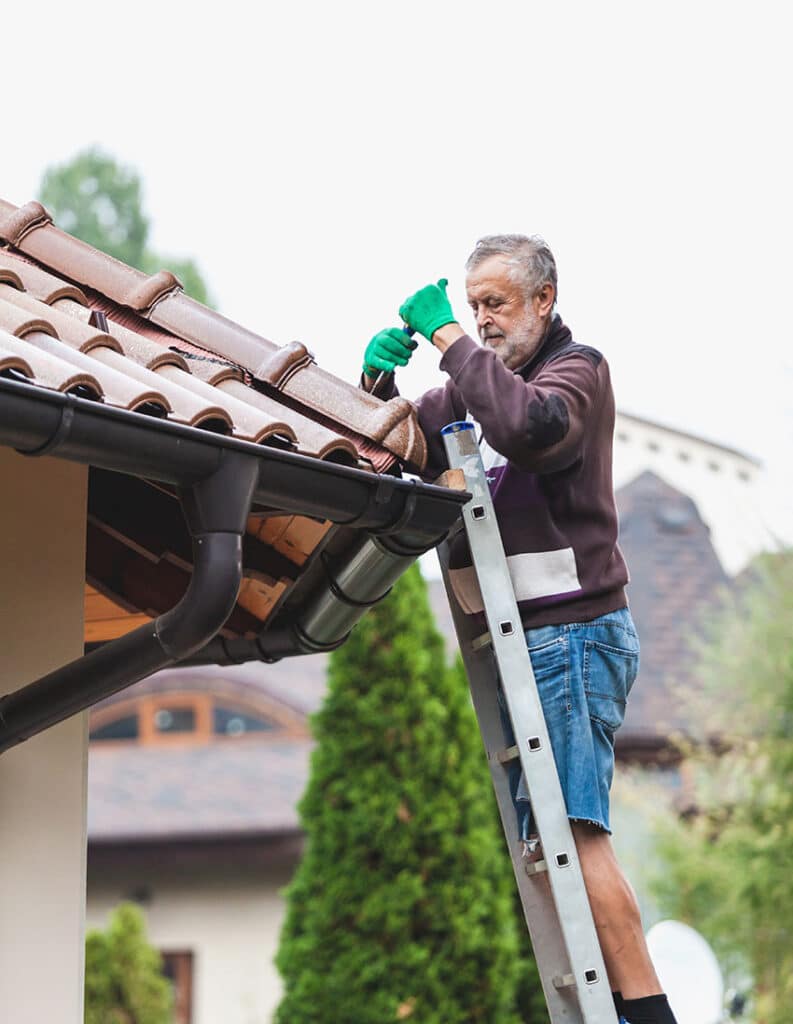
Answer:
(216, 509)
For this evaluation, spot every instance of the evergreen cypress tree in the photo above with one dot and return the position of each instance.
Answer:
(402, 907)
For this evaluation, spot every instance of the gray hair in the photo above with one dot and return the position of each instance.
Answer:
(530, 260)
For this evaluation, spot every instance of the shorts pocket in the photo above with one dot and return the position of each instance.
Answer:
(549, 658)
(550, 663)
(609, 673)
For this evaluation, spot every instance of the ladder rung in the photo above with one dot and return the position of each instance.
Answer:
(508, 754)
(564, 981)
(536, 867)
(480, 642)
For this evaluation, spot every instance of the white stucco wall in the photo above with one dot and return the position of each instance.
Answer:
(230, 921)
(733, 494)
(42, 781)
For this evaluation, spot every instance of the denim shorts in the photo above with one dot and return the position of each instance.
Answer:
(584, 673)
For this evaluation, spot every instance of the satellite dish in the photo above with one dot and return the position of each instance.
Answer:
(688, 971)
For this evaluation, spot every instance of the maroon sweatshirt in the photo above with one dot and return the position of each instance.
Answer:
(546, 434)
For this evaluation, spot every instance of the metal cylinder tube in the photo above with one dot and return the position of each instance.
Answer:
(363, 579)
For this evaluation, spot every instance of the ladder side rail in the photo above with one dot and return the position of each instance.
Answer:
(535, 894)
(525, 711)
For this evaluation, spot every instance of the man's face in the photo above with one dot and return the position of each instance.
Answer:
(509, 323)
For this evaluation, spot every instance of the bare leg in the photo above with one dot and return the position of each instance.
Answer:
(616, 913)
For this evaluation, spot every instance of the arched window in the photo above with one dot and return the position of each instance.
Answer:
(185, 718)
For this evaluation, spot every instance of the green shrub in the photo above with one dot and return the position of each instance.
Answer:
(124, 983)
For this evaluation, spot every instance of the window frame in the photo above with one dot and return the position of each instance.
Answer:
(146, 706)
(200, 703)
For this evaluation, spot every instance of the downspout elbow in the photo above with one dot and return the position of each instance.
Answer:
(216, 510)
(209, 598)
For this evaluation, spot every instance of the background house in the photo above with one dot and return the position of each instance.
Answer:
(200, 825)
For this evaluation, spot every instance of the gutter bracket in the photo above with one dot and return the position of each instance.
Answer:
(60, 434)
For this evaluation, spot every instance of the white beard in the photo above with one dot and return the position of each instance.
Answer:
(519, 345)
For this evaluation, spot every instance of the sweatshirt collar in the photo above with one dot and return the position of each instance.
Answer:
(557, 334)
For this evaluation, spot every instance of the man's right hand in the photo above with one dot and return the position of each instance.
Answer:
(387, 350)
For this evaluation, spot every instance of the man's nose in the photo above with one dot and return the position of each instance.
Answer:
(483, 316)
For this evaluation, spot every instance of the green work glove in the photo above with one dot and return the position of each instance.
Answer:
(428, 309)
(388, 349)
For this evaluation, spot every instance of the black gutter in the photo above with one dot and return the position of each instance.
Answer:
(216, 510)
(218, 480)
(37, 421)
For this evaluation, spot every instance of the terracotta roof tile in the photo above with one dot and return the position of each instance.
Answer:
(187, 407)
(288, 369)
(11, 361)
(125, 381)
(38, 282)
(214, 371)
(292, 371)
(70, 329)
(156, 348)
(117, 388)
(314, 439)
(9, 276)
(19, 321)
(15, 222)
(49, 370)
(249, 422)
(29, 228)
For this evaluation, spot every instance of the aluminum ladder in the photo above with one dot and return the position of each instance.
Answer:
(555, 902)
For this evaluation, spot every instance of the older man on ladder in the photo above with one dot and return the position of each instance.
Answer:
(542, 406)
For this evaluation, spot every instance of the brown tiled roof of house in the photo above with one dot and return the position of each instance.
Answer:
(676, 582)
(200, 367)
(75, 320)
(221, 789)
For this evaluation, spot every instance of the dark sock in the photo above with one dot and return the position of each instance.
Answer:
(617, 997)
(648, 1010)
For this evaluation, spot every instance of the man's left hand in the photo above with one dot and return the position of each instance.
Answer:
(428, 309)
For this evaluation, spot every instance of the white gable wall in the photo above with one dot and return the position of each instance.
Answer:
(42, 781)
(731, 491)
(228, 919)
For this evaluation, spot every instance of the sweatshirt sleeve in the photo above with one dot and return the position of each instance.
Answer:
(437, 408)
(540, 424)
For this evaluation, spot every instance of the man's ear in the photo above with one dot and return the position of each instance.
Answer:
(543, 299)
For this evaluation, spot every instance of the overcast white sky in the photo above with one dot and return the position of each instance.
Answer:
(322, 160)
